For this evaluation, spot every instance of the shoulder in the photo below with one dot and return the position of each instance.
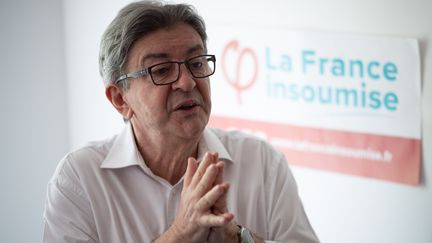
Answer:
(85, 159)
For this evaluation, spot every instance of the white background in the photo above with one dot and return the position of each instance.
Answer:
(52, 101)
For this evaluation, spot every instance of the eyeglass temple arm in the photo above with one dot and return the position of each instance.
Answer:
(136, 74)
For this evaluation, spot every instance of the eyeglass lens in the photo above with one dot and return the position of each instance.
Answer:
(200, 67)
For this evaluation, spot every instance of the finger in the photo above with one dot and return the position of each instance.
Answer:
(208, 200)
(207, 181)
(215, 156)
(190, 171)
(228, 216)
(211, 220)
(220, 206)
(220, 165)
(202, 167)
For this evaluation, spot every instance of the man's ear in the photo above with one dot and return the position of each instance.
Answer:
(116, 95)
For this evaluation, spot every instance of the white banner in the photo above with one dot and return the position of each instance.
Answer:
(339, 102)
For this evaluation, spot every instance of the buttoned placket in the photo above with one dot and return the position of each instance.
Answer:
(173, 202)
(172, 195)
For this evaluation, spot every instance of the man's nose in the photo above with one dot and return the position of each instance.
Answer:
(186, 81)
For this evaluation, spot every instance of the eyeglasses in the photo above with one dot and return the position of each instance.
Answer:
(169, 72)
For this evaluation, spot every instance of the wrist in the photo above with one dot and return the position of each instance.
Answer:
(246, 236)
(233, 233)
(172, 235)
(177, 234)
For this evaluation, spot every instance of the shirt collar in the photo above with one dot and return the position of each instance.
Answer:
(124, 151)
(210, 142)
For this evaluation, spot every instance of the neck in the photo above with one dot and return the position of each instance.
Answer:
(166, 156)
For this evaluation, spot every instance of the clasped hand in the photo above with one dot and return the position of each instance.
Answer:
(202, 214)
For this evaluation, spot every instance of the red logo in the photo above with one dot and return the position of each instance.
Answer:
(239, 60)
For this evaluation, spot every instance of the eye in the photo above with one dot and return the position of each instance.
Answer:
(162, 70)
(197, 63)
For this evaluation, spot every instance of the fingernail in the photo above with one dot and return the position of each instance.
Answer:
(191, 160)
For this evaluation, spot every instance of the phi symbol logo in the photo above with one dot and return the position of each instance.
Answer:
(239, 67)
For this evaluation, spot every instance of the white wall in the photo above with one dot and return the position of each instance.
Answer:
(33, 124)
(341, 208)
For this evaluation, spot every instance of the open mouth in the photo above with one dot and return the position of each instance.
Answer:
(187, 105)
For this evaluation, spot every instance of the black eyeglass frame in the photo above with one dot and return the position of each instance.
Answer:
(147, 71)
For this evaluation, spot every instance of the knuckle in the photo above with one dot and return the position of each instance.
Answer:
(205, 204)
(202, 187)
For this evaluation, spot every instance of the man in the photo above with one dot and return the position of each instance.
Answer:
(166, 177)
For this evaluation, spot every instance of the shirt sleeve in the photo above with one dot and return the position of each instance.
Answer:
(287, 219)
(68, 216)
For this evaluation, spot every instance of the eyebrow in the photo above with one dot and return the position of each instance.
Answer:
(162, 55)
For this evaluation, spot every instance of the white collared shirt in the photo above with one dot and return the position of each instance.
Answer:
(104, 192)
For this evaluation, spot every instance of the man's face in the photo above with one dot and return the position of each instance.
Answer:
(180, 109)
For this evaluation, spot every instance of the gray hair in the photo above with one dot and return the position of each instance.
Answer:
(135, 21)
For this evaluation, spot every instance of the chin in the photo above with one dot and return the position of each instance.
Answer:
(193, 129)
